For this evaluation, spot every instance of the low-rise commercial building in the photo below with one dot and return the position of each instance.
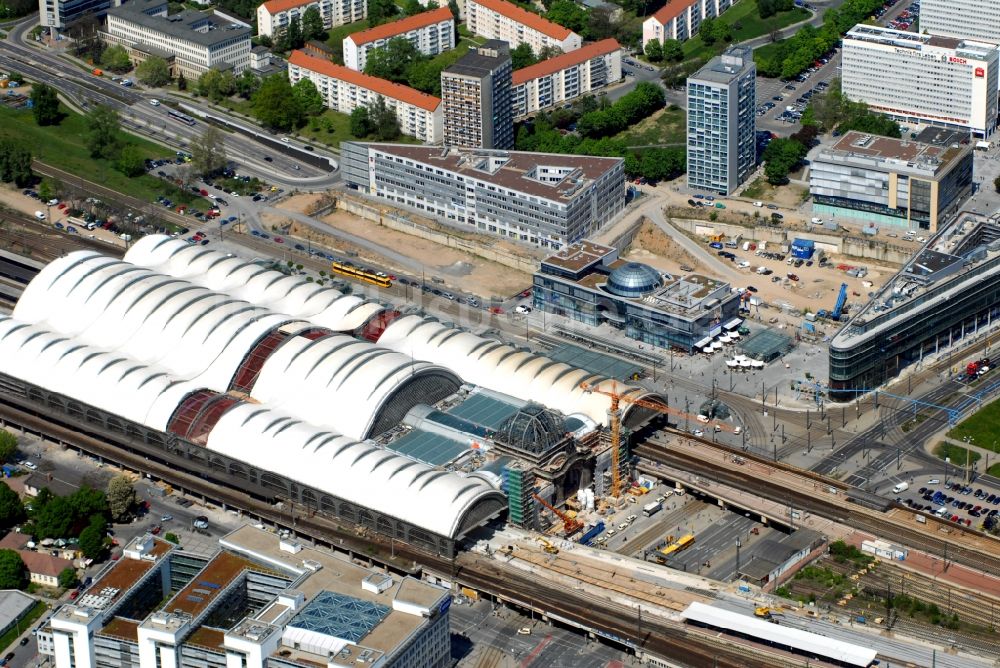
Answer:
(680, 19)
(191, 42)
(566, 77)
(901, 183)
(261, 600)
(274, 16)
(921, 78)
(430, 33)
(541, 199)
(589, 283)
(344, 90)
(505, 21)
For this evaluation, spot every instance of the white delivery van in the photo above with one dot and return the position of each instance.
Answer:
(901, 487)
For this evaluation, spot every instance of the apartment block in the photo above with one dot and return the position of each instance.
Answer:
(919, 78)
(274, 16)
(430, 33)
(540, 199)
(191, 42)
(477, 99)
(344, 90)
(721, 122)
(566, 77)
(680, 19)
(505, 21)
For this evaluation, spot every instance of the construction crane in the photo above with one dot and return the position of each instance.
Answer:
(570, 525)
(616, 399)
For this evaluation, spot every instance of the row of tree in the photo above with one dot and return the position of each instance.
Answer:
(280, 106)
(767, 8)
(832, 110)
(790, 57)
(377, 120)
(300, 31)
(15, 162)
(670, 50)
(631, 108)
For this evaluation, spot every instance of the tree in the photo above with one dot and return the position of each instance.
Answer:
(996, 184)
(361, 125)
(121, 497)
(781, 156)
(412, 7)
(208, 152)
(153, 71)
(216, 85)
(522, 56)
(115, 59)
(654, 50)
(172, 538)
(425, 75)
(568, 14)
(45, 190)
(707, 31)
(292, 37)
(15, 164)
(247, 84)
(312, 24)
(45, 104)
(380, 11)
(92, 541)
(13, 574)
(8, 444)
(672, 50)
(67, 578)
(393, 60)
(274, 105)
(103, 140)
(11, 509)
(182, 83)
(308, 97)
(131, 161)
(53, 519)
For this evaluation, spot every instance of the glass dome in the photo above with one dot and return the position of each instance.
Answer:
(532, 429)
(633, 280)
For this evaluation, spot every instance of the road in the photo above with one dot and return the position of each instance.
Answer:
(138, 115)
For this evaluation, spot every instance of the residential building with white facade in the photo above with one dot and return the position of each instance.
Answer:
(476, 93)
(505, 21)
(566, 77)
(274, 16)
(680, 19)
(919, 78)
(721, 146)
(430, 33)
(965, 19)
(540, 199)
(260, 600)
(191, 42)
(344, 90)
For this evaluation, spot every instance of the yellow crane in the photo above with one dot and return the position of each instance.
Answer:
(616, 399)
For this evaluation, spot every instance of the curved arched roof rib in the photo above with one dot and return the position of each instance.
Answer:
(337, 382)
(215, 270)
(114, 383)
(357, 472)
(499, 367)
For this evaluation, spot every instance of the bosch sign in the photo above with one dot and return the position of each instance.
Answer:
(960, 61)
(980, 72)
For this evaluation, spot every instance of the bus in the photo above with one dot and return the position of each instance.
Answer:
(178, 116)
(682, 544)
(350, 271)
(651, 508)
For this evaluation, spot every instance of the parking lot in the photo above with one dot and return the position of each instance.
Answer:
(956, 501)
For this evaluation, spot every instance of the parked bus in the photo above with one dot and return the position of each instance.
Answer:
(350, 271)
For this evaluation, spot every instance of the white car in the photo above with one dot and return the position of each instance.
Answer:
(31, 466)
(522, 308)
(698, 432)
(285, 140)
(155, 103)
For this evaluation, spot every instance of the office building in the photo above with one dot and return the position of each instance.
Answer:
(917, 78)
(590, 284)
(978, 20)
(541, 199)
(505, 21)
(721, 145)
(430, 33)
(344, 90)
(274, 16)
(893, 182)
(191, 42)
(566, 77)
(680, 19)
(948, 292)
(260, 600)
(58, 14)
(477, 99)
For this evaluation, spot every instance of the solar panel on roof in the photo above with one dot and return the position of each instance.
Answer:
(194, 599)
(210, 585)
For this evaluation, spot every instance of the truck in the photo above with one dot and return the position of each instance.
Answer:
(651, 508)
(592, 533)
(901, 487)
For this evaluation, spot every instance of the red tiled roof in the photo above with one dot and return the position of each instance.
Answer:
(402, 26)
(565, 60)
(44, 564)
(275, 6)
(671, 10)
(381, 86)
(14, 541)
(523, 16)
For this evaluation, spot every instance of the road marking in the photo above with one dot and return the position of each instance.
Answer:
(539, 648)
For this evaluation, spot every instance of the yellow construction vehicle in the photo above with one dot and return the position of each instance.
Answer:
(762, 611)
(547, 546)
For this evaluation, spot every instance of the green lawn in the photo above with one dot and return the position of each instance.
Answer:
(750, 25)
(8, 638)
(667, 126)
(982, 427)
(336, 131)
(994, 470)
(956, 455)
(335, 36)
(64, 146)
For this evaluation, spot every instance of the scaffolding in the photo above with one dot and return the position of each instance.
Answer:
(519, 482)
